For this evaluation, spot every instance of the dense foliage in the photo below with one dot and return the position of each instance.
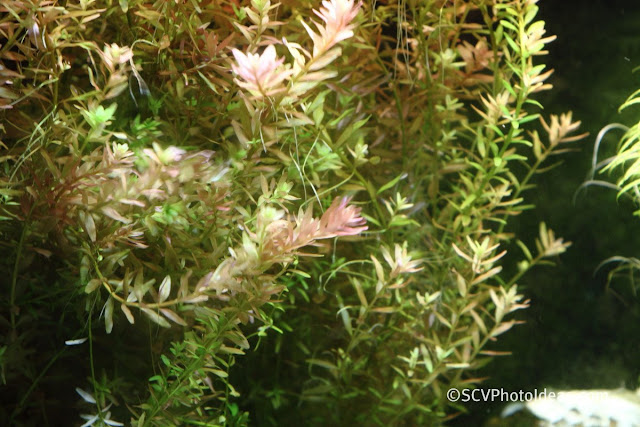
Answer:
(223, 212)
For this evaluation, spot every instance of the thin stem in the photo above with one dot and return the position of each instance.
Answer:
(16, 266)
(92, 367)
(33, 385)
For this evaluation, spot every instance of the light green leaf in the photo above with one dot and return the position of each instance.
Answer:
(391, 183)
(171, 315)
(156, 318)
(108, 315)
(92, 285)
(165, 289)
(127, 313)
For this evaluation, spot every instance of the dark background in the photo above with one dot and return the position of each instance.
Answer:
(579, 333)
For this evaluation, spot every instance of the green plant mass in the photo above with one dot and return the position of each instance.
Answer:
(254, 213)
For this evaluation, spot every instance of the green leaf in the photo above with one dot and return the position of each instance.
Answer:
(533, 102)
(165, 360)
(333, 123)
(401, 221)
(89, 224)
(300, 273)
(515, 157)
(385, 310)
(370, 219)
(7, 94)
(165, 289)
(92, 285)
(208, 83)
(171, 315)
(509, 25)
(468, 201)
(218, 372)
(513, 44)
(156, 318)
(360, 292)
(349, 131)
(496, 129)
(531, 13)
(499, 34)
(323, 364)
(521, 141)
(108, 315)
(528, 118)
(127, 313)
(231, 350)
(391, 183)
(344, 314)
(525, 250)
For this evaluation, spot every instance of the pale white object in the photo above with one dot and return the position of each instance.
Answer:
(584, 408)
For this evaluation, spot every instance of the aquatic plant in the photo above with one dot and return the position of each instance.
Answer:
(161, 165)
(623, 169)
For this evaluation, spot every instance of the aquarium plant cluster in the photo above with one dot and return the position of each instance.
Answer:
(245, 212)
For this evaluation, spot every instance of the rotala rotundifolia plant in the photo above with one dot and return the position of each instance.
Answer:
(232, 212)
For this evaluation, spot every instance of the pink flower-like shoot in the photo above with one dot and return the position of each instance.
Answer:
(342, 219)
(337, 16)
(259, 73)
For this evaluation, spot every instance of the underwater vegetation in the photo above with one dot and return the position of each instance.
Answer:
(245, 212)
